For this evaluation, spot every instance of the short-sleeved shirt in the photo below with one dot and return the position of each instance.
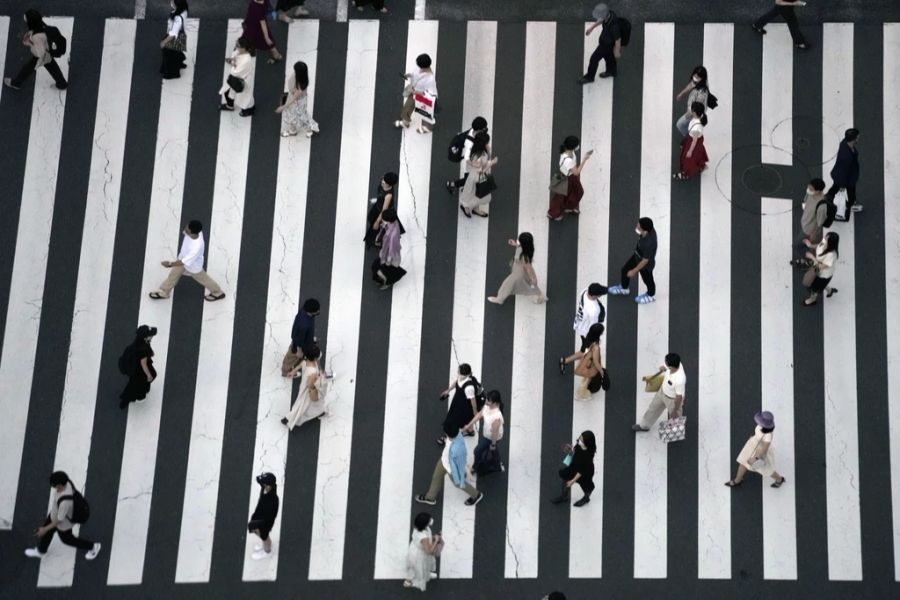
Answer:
(61, 511)
(587, 314)
(490, 415)
(695, 128)
(566, 164)
(700, 95)
(424, 81)
(303, 332)
(673, 384)
(646, 248)
(814, 214)
(191, 253)
(826, 269)
(611, 30)
(176, 24)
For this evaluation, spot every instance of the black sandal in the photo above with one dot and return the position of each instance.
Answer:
(831, 292)
(778, 484)
(733, 484)
(465, 212)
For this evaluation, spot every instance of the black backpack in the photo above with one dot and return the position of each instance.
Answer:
(127, 364)
(55, 40)
(830, 211)
(480, 396)
(624, 30)
(81, 512)
(457, 145)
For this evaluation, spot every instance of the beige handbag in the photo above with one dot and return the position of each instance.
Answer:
(652, 383)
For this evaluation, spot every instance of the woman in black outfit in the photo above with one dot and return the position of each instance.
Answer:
(263, 518)
(580, 470)
(139, 359)
(384, 198)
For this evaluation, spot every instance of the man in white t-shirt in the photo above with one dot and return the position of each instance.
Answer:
(588, 312)
(190, 262)
(670, 395)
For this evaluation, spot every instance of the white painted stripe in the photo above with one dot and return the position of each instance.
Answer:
(396, 485)
(714, 460)
(201, 486)
(140, 9)
(76, 421)
(4, 30)
(419, 15)
(458, 523)
(779, 524)
(341, 14)
(526, 402)
(288, 227)
(26, 293)
(777, 91)
(841, 418)
(586, 523)
(330, 511)
(650, 478)
(891, 98)
(129, 543)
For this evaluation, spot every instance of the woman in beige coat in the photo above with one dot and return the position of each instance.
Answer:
(237, 91)
(757, 454)
(36, 40)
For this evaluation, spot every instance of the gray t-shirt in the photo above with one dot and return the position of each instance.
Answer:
(813, 219)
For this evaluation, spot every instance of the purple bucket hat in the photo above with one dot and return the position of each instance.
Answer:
(764, 419)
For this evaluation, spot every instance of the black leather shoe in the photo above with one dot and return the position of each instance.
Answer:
(606, 74)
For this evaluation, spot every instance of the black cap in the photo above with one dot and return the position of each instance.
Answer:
(145, 331)
(595, 289)
(311, 305)
(265, 479)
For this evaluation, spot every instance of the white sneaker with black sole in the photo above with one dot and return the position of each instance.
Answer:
(260, 554)
(93, 552)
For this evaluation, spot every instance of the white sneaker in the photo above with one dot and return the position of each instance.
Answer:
(34, 553)
(856, 208)
(93, 552)
(260, 554)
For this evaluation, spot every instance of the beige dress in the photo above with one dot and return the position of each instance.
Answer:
(764, 467)
(516, 283)
(476, 167)
(305, 408)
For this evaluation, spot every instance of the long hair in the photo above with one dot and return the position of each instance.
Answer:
(480, 144)
(493, 397)
(593, 334)
(180, 7)
(34, 20)
(831, 243)
(701, 73)
(526, 241)
(301, 75)
(570, 143)
(245, 44)
(589, 441)
(698, 109)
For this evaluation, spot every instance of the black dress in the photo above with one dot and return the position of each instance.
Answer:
(582, 462)
(460, 412)
(138, 386)
(375, 211)
(263, 518)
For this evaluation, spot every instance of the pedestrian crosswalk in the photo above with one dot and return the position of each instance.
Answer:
(171, 480)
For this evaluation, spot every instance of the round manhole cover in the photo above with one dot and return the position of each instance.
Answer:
(762, 180)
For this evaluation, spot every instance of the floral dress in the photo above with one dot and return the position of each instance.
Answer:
(296, 111)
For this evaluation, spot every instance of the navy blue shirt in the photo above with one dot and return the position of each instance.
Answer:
(611, 30)
(846, 166)
(304, 331)
(646, 248)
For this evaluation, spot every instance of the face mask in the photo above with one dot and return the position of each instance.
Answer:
(637, 230)
(810, 191)
(431, 522)
(696, 80)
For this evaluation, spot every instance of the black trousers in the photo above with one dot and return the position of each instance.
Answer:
(851, 194)
(29, 67)
(376, 4)
(605, 52)
(646, 275)
(66, 537)
(786, 12)
(172, 63)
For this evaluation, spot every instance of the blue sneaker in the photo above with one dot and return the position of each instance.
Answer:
(644, 299)
(617, 290)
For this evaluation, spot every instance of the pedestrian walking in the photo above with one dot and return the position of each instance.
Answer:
(257, 31)
(237, 91)
(174, 43)
(815, 213)
(697, 90)
(609, 46)
(579, 468)
(479, 164)
(566, 186)
(463, 405)
(845, 172)
(589, 311)
(295, 109)
(693, 156)
(137, 362)
(453, 462)
(263, 518)
(385, 194)
(303, 336)
(424, 546)
(642, 261)
(67, 508)
(522, 280)
(757, 455)
(190, 262)
(670, 395)
(45, 44)
(288, 10)
(823, 264)
(487, 457)
(421, 82)
(310, 401)
(386, 269)
(590, 365)
(461, 148)
(785, 9)
(376, 4)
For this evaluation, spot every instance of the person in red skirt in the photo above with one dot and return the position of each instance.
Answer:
(693, 157)
(257, 31)
(566, 185)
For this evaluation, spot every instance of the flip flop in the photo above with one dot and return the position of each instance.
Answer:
(831, 292)
(157, 296)
(213, 297)
(733, 484)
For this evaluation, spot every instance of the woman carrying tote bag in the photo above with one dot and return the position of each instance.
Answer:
(566, 185)
(237, 91)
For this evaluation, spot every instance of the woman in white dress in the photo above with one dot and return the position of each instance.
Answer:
(241, 76)
(479, 163)
(310, 401)
(420, 558)
(295, 108)
(757, 454)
